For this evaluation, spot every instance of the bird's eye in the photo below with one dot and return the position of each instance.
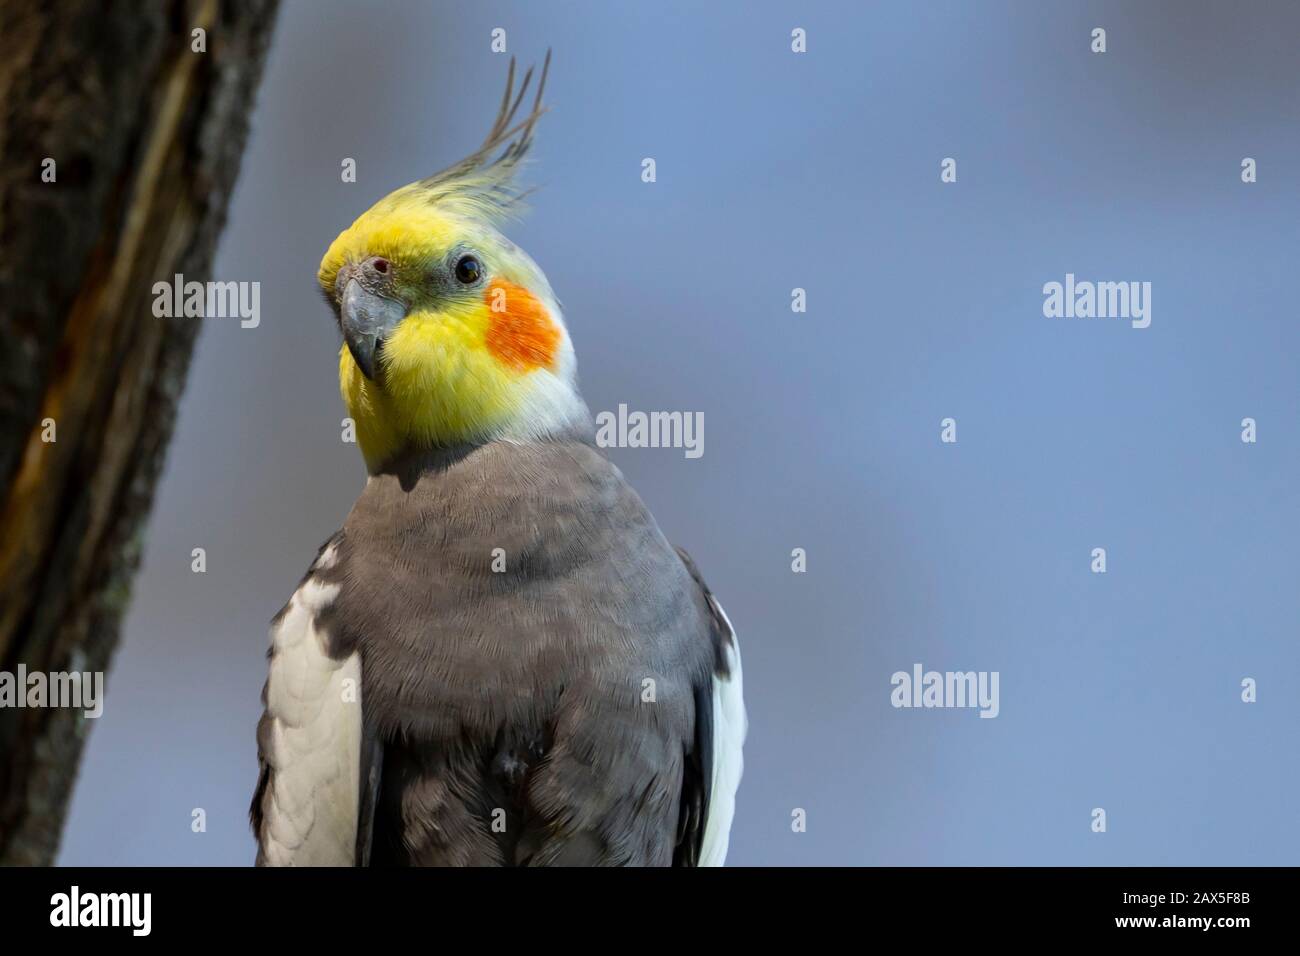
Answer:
(468, 269)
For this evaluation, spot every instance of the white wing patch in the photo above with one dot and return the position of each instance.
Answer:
(309, 809)
(729, 726)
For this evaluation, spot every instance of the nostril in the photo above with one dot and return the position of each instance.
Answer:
(380, 265)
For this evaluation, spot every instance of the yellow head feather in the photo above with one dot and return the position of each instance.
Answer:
(462, 364)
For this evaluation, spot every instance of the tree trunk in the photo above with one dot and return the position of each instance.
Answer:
(146, 136)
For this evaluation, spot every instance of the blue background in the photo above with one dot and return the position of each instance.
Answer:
(820, 171)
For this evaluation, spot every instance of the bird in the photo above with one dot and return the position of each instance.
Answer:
(498, 659)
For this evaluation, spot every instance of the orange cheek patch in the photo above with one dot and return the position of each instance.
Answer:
(520, 331)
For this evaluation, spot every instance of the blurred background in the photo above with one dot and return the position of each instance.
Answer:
(819, 170)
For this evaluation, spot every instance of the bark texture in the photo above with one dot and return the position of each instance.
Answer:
(146, 135)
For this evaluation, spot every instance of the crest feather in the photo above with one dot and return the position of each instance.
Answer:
(479, 185)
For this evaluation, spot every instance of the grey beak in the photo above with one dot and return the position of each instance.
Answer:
(367, 320)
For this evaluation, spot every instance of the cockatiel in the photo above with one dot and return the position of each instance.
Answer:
(499, 659)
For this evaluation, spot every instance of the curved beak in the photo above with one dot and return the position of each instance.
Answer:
(367, 319)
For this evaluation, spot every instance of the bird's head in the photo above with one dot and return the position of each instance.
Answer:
(450, 331)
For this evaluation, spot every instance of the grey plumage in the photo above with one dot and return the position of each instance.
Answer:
(515, 698)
